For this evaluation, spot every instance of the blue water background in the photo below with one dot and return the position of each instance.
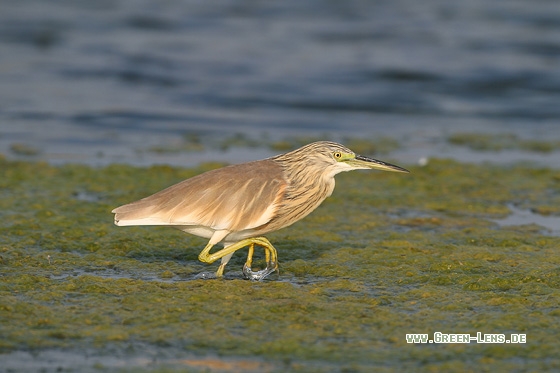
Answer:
(102, 81)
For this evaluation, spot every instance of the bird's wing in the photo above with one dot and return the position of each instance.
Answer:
(232, 198)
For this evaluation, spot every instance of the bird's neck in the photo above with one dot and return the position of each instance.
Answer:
(311, 183)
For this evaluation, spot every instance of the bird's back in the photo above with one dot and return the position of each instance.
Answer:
(232, 198)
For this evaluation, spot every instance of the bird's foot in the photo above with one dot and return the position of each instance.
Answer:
(271, 267)
(206, 276)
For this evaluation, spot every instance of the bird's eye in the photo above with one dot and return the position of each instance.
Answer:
(337, 155)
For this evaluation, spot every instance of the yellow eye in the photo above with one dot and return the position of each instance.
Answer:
(337, 155)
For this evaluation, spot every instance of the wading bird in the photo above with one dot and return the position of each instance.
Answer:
(236, 205)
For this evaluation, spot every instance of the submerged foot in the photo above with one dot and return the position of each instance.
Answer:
(206, 276)
(271, 267)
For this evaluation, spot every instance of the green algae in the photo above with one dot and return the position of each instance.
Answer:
(196, 142)
(386, 255)
(503, 141)
(24, 149)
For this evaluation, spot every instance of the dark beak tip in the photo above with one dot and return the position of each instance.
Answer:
(389, 165)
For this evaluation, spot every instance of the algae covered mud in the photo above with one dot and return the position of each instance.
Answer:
(384, 257)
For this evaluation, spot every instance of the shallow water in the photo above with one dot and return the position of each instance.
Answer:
(518, 216)
(451, 247)
(107, 82)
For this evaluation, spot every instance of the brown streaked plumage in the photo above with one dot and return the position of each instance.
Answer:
(238, 204)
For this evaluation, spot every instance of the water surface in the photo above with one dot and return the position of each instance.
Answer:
(102, 82)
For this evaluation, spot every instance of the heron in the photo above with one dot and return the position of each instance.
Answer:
(238, 204)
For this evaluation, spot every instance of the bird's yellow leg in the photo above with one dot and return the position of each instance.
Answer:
(250, 255)
(271, 257)
(220, 271)
(206, 257)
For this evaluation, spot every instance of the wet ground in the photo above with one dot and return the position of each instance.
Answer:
(105, 102)
(386, 255)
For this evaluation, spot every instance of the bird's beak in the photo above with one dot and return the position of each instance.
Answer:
(370, 163)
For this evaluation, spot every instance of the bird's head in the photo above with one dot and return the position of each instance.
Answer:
(335, 158)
